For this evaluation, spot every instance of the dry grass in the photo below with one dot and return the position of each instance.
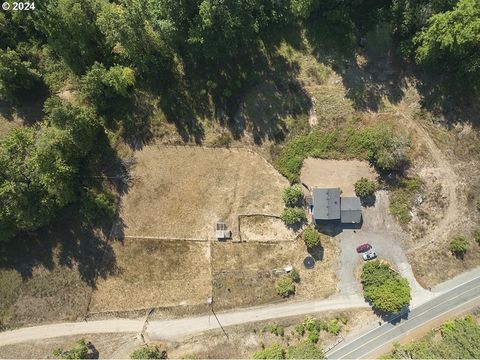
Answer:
(335, 173)
(183, 192)
(261, 228)
(242, 272)
(155, 273)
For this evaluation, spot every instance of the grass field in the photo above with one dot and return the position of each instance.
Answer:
(155, 273)
(182, 192)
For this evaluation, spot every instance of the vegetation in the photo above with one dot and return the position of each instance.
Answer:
(80, 351)
(476, 236)
(459, 245)
(292, 216)
(379, 143)
(277, 330)
(403, 197)
(148, 352)
(302, 350)
(274, 351)
(386, 290)
(285, 286)
(295, 275)
(311, 237)
(333, 326)
(365, 188)
(292, 196)
(456, 339)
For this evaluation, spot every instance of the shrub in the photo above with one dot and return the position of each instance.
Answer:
(148, 352)
(292, 216)
(334, 327)
(295, 275)
(459, 245)
(278, 330)
(311, 237)
(365, 188)
(285, 286)
(292, 195)
(402, 199)
(300, 329)
(313, 336)
(274, 351)
(477, 236)
(304, 350)
(386, 290)
(80, 351)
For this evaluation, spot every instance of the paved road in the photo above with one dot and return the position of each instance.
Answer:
(370, 343)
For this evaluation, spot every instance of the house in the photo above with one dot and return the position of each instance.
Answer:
(328, 206)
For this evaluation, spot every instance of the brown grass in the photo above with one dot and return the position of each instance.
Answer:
(183, 192)
(155, 273)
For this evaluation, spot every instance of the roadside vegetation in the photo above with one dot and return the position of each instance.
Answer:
(79, 351)
(387, 291)
(455, 339)
(459, 245)
(148, 352)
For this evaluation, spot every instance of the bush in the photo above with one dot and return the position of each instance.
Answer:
(292, 216)
(277, 330)
(80, 351)
(459, 245)
(402, 199)
(313, 336)
(386, 290)
(292, 195)
(295, 275)
(300, 329)
(285, 286)
(365, 188)
(274, 351)
(334, 327)
(311, 237)
(304, 350)
(477, 237)
(148, 352)
(95, 205)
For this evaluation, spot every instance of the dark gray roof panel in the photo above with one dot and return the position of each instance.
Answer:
(351, 210)
(351, 203)
(326, 204)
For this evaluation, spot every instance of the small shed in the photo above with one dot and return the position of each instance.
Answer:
(221, 232)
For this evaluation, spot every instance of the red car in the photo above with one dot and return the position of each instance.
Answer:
(364, 247)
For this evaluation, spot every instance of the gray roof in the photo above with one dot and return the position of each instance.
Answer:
(351, 210)
(326, 204)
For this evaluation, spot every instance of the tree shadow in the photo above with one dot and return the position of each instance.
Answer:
(29, 109)
(317, 252)
(368, 201)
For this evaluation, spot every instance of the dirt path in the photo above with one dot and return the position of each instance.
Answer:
(449, 178)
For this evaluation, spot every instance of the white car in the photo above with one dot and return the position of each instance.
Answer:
(369, 255)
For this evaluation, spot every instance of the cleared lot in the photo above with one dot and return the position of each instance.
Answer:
(183, 192)
(335, 173)
(155, 273)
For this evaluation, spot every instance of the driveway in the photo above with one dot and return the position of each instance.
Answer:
(379, 230)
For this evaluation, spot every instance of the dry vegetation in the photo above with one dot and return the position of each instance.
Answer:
(182, 192)
(155, 273)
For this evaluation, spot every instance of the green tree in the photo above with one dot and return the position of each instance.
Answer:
(285, 286)
(305, 350)
(292, 216)
(274, 351)
(148, 352)
(386, 290)
(292, 195)
(459, 245)
(311, 237)
(364, 187)
(451, 41)
(17, 75)
(80, 351)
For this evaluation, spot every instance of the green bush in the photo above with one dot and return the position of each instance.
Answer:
(311, 237)
(295, 275)
(334, 327)
(313, 336)
(386, 290)
(99, 205)
(148, 352)
(304, 350)
(274, 351)
(80, 351)
(459, 245)
(292, 195)
(292, 216)
(285, 286)
(477, 236)
(402, 199)
(277, 330)
(300, 329)
(365, 188)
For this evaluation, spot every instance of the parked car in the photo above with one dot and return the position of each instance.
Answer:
(364, 247)
(369, 255)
